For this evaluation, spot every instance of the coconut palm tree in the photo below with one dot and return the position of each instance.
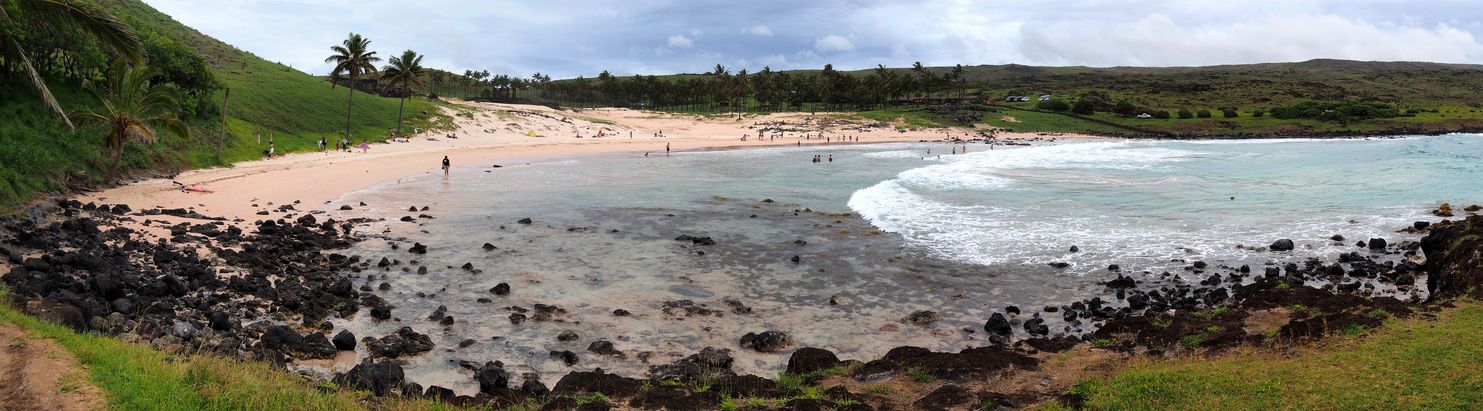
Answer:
(404, 71)
(352, 59)
(130, 107)
(112, 35)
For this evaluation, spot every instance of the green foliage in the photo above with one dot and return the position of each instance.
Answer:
(38, 155)
(1053, 105)
(921, 376)
(1336, 112)
(1103, 342)
(1184, 113)
(1211, 313)
(1083, 107)
(1203, 113)
(1191, 341)
(1161, 322)
(591, 398)
(881, 389)
(1161, 114)
(1229, 113)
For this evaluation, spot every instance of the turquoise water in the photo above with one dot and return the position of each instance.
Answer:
(962, 234)
(1143, 202)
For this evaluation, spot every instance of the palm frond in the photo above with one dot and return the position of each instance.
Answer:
(112, 34)
(37, 82)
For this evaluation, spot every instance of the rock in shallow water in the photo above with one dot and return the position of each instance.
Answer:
(766, 341)
(404, 342)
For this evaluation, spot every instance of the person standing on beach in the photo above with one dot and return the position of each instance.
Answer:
(666, 149)
(272, 149)
(446, 164)
(365, 145)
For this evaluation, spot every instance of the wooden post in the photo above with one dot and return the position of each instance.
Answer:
(223, 138)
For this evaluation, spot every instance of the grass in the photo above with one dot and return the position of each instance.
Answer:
(1211, 313)
(921, 377)
(135, 376)
(1033, 121)
(1405, 364)
(591, 398)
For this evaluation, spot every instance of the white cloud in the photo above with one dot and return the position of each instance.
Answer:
(777, 60)
(679, 41)
(833, 43)
(758, 31)
(584, 37)
(900, 52)
(1162, 40)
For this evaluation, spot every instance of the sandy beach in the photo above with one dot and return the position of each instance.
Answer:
(490, 134)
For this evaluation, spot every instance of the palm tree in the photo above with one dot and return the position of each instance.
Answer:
(352, 58)
(53, 16)
(130, 106)
(405, 71)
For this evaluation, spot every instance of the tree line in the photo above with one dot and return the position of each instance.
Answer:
(718, 90)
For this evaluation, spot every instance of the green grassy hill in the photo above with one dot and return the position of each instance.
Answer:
(267, 99)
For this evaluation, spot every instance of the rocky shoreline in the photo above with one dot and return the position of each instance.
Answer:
(265, 290)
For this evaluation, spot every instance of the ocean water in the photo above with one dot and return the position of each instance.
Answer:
(883, 230)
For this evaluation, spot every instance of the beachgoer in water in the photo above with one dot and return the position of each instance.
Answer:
(666, 149)
(831, 158)
(445, 166)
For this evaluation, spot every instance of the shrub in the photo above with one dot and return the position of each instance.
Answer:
(1259, 113)
(1126, 108)
(1083, 107)
(1337, 112)
(1161, 114)
(1053, 105)
(1203, 113)
(1229, 113)
(1185, 114)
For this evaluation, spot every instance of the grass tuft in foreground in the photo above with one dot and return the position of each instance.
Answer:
(1406, 364)
(137, 377)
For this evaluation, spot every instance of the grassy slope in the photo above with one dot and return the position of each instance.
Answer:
(37, 155)
(1406, 364)
(136, 377)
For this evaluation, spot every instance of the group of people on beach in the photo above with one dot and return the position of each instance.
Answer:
(341, 145)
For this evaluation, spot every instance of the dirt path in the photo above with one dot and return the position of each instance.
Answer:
(37, 374)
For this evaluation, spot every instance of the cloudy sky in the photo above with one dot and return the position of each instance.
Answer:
(583, 37)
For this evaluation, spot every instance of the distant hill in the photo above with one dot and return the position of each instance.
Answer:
(1431, 97)
(1401, 83)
